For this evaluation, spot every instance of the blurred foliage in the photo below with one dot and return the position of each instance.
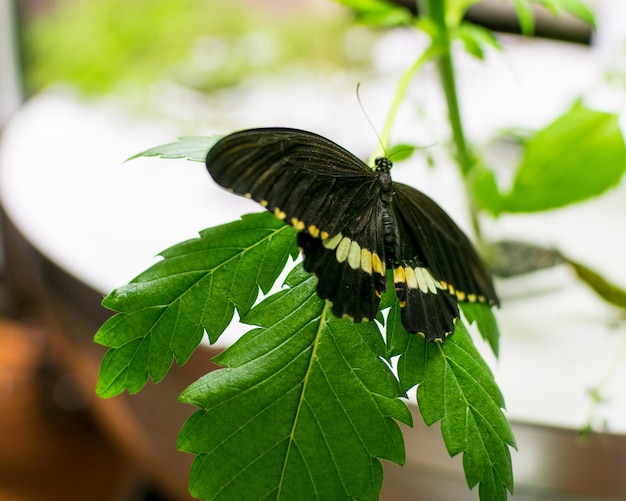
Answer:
(102, 45)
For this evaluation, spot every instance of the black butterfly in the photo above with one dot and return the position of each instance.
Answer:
(353, 222)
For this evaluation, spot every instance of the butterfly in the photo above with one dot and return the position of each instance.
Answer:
(354, 224)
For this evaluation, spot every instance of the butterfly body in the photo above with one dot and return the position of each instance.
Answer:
(354, 223)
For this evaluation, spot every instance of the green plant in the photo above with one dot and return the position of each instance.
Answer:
(306, 405)
(114, 45)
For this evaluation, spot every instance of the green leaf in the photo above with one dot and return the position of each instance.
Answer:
(608, 291)
(410, 347)
(578, 156)
(401, 152)
(577, 8)
(482, 315)
(456, 9)
(476, 39)
(379, 12)
(459, 390)
(525, 16)
(482, 183)
(303, 410)
(164, 312)
(194, 148)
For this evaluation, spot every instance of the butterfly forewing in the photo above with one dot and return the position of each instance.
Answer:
(330, 196)
(302, 177)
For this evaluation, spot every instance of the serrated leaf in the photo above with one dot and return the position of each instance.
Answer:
(458, 389)
(303, 410)
(194, 148)
(410, 347)
(578, 156)
(482, 315)
(164, 312)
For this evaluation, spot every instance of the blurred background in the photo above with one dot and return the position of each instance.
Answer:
(85, 84)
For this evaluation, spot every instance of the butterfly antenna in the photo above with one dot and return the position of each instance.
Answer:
(381, 151)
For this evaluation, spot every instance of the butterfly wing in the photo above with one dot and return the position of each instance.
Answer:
(326, 193)
(436, 265)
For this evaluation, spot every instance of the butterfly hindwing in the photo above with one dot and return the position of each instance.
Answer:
(425, 306)
(349, 265)
(431, 236)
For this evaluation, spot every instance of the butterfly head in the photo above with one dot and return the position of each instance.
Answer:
(383, 164)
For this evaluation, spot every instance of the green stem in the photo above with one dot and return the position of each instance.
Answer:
(401, 90)
(436, 10)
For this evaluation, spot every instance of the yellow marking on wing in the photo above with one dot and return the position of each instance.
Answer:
(377, 265)
(422, 279)
(426, 281)
(411, 279)
(279, 213)
(354, 255)
(324, 235)
(366, 261)
(398, 275)
(297, 224)
(314, 231)
(461, 296)
(331, 243)
(264, 203)
(343, 249)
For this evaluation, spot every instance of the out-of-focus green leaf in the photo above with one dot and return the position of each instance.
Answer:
(164, 312)
(600, 285)
(476, 39)
(194, 148)
(578, 156)
(401, 152)
(481, 182)
(525, 16)
(456, 9)
(577, 8)
(379, 12)
(303, 410)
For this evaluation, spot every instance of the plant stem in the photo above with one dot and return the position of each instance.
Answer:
(436, 10)
(401, 90)
(445, 66)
